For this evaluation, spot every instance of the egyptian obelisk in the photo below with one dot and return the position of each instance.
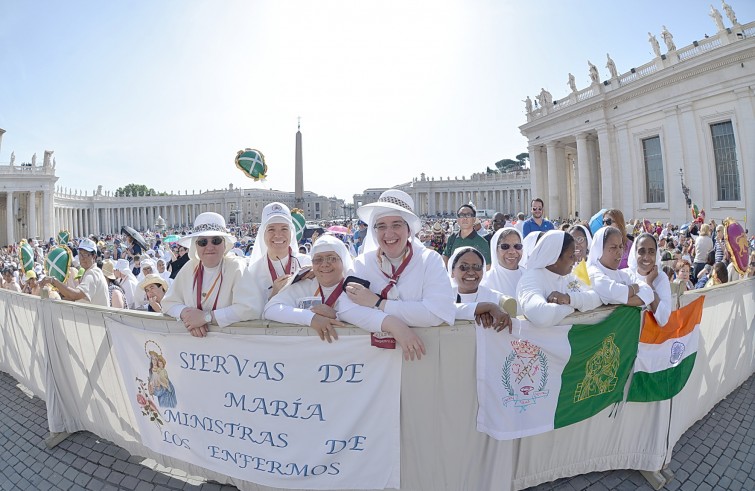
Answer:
(299, 172)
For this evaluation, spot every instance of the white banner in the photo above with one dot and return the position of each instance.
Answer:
(281, 411)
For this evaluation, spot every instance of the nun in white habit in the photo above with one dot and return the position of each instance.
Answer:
(475, 302)
(506, 250)
(645, 266)
(407, 280)
(275, 257)
(614, 286)
(548, 291)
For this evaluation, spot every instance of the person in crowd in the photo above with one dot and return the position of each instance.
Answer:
(719, 275)
(274, 261)
(154, 287)
(613, 284)
(682, 283)
(136, 269)
(359, 235)
(498, 222)
(9, 280)
(320, 303)
(536, 223)
(645, 266)
(467, 235)
(438, 238)
(703, 276)
(92, 287)
(176, 264)
(127, 282)
(504, 274)
(751, 267)
(161, 266)
(615, 218)
(32, 286)
(703, 246)
(582, 239)
(116, 295)
(548, 291)
(670, 273)
(212, 288)
(720, 245)
(406, 279)
(475, 302)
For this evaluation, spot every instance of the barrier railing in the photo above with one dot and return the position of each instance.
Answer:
(63, 353)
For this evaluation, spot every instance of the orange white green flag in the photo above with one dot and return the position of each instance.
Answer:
(666, 355)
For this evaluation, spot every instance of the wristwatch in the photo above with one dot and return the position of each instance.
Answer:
(208, 317)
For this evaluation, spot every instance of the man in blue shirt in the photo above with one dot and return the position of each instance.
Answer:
(536, 222)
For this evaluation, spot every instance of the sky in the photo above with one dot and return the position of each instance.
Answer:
(164, 93)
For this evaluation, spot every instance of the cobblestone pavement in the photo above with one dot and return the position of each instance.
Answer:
(716, 453)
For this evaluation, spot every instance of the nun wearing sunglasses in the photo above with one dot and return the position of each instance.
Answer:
(506, 249)
(474, 301)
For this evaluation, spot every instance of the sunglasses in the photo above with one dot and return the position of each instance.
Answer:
(506, 247)
(607, 221)
(465, 215)
(466, 267)
(215, 241)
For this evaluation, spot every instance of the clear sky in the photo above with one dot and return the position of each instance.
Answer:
(164, 93)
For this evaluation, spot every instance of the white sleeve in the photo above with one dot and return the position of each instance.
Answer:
(282, 308)
(363, 317)
(610, 290)
(531, 298)
(583, 300)
(665, 305)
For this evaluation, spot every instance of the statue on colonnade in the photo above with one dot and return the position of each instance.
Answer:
(612, 67)
(572, 83)
(12, 158)
(655, 44)
(545, 98)
(717, 18)
(34, 159)
(730, 13)
(668, 38)
(528, 105)
(593, 73)
(46, 161)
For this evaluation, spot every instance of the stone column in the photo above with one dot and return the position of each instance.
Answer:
(48, 215)
(626, 200)
(674, 159)
(9, 220)
(553, 201)
(694, 149)
(33, 232)
(583, 189)
(746, 121)
(608, 174)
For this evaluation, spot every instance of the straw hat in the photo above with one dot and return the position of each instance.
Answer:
(153, 279)
(207, 224)
(108, 269)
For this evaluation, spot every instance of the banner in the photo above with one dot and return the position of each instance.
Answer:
(666, 354)
(536, 379)
(281, 411)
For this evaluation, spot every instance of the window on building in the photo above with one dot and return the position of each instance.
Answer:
(317, 206)
(654, 188)
(725, 155)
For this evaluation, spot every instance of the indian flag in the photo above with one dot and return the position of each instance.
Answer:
(666, 355)
(535, 379)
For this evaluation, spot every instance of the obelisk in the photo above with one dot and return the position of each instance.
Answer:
(299, 172)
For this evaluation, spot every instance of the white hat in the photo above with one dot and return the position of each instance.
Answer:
(122, 265)
(207, 224)
(331, 243)
(274, 212)
(153, 278)
(87, 245)
(392, 202)
(148, 263)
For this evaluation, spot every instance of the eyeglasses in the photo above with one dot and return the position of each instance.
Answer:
(464, 215)
(317, 261)
(607, 221)
(215, 241)
(466, 267)
(579, 240)
(506, 247)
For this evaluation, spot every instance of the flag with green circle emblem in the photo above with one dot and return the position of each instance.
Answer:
(64, 236)
(58, 263)
(26, 256)
(300, 222)
(252, 163)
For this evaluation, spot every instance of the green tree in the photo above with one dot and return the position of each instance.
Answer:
(509, 165)
(135, 190)
(524, 158)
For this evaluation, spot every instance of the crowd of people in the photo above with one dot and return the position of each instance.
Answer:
(390, 271)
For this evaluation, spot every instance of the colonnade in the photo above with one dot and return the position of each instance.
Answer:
(510, 201)
(27, 214)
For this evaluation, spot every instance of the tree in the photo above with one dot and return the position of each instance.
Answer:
(510, 165)
(524, 158)
(135, 190)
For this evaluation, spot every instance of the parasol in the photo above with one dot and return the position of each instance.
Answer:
(339, 229)
(171, 239)
(134, 235)
(596, 222)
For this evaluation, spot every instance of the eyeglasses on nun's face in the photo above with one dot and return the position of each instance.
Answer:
(506, 247)
(464, 267)
(202, 242)
(319, 260)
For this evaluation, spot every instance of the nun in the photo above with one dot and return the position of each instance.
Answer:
(548, 291)
(212, 288)
(506, 249)
(406, 279)
(275, 258)
(614, 285)
(645, 266)
(475, 302)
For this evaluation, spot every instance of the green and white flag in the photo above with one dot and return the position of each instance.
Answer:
(666, 354)
(536, 379)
